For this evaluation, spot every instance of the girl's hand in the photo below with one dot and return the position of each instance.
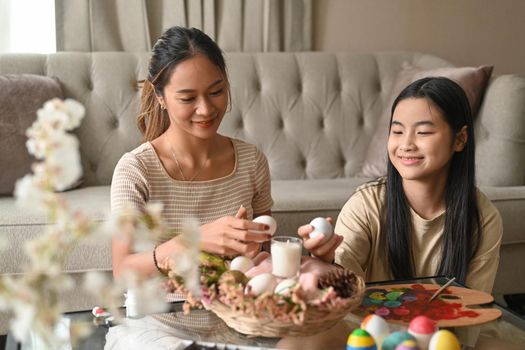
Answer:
(321, 250)
(233, 235)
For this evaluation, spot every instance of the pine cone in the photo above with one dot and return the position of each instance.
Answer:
(343, 281)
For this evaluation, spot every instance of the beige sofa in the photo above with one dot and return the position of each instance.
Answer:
(313, 114)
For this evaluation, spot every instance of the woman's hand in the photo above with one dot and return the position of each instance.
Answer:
(321, 250)
(233, 235)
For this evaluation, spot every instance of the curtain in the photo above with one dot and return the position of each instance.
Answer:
(134, 25)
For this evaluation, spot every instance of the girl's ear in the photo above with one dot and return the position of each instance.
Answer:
(461, 139)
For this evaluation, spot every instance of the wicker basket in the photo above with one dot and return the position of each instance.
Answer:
(316, 319)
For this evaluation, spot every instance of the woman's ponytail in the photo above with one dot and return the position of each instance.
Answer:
(152, 120)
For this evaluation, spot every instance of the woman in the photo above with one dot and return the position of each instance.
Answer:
(184, 163)
(426, 217)
(192, 170)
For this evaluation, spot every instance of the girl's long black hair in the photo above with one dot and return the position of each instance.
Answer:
(461, 234)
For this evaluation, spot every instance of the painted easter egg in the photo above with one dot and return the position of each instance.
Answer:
(321, 227)
(360, 339)
(444, 340)
(422, 328)
(266, 220)
(377, 327)
(241, 263)
(285, 286)
(408, 345)
(263, 283)
(394, 339)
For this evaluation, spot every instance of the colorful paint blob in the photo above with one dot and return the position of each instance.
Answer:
(392, 303)
(393, 295)
(403, 304)
(382, 311)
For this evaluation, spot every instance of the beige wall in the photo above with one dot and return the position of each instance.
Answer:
(465, 32)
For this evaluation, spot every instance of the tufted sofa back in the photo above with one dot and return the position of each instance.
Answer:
(312, 114)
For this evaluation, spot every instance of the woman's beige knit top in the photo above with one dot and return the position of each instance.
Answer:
(140, 178)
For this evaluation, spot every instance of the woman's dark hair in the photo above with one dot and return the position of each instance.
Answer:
(175, 45)
(461, 233)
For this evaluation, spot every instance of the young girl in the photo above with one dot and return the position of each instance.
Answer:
(426, 217)
(184, 163)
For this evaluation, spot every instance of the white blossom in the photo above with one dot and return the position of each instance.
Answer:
(106, 292)
(52, 118)
(24, 314)
(34, 297)
(30, 194)
(186, 263)
(148, 293)
(112, 226)
(65, 163)
(94, 282)
(142, 240)
(37, 140)
(76, 113)
(64, 115)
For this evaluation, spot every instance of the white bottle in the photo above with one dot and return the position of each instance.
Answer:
(132, 307)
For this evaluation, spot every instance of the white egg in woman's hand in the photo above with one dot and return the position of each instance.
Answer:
(241, 263)
(321, 227)
(266, 220)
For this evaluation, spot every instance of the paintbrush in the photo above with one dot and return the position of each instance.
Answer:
(441, 289)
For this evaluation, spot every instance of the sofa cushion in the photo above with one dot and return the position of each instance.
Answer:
(21, 95)
(500, 133)
(473, 80)
(17, 227)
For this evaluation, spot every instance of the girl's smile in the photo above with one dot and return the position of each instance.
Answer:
(408, 160)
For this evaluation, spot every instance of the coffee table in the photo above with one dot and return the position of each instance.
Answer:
(507, 332)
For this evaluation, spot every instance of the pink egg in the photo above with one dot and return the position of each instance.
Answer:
(422, 328)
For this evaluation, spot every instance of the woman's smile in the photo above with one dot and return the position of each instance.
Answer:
(205, 124)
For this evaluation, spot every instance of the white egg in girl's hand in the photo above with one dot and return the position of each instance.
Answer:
(285, 286)
(241, 263)
(321, 227)
(263, 283)
(266, 220)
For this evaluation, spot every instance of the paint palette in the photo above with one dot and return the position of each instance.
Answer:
(400, 303)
